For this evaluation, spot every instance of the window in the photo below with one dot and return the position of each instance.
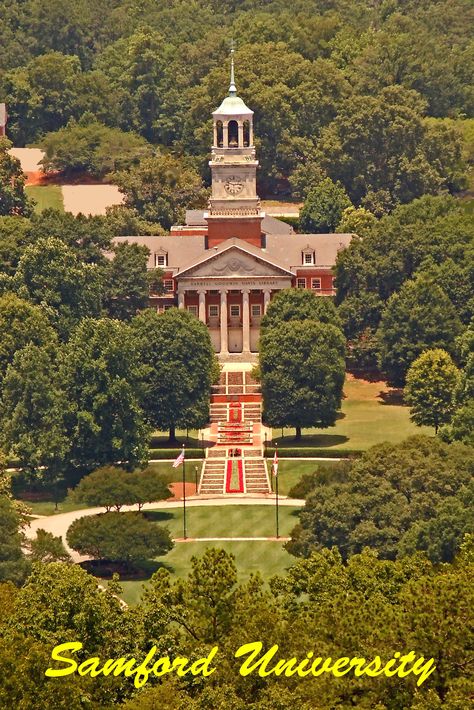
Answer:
(168, 285)
(234, 311)
(193, 310)
(213, 311)
(334, 282)
(316, 283)
(256, 310)
(161, 260)
(300, 283)
(308, 257)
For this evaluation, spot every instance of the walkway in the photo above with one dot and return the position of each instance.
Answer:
(59, 524)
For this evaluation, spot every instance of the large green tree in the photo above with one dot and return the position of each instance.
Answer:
(390, 490)
(100, 377)
(13, 198)
(430, 390)
(127, 281)
(299, 304)
(21, 323)
(119, 537)
(179, 368)
(161, 187)
(419, 317)
(53, 275)
(301, 368)
(323, 207)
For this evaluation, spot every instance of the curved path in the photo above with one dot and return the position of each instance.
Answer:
(59, 524)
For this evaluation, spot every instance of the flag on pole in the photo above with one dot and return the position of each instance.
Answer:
(179, 460)
(275, 464)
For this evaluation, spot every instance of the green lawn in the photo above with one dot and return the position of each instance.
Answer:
(226, 521)
(371, 413)
(46, 196)
(266, 557)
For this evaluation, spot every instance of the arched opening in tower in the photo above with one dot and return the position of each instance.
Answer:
(233, 134)
(220, 134)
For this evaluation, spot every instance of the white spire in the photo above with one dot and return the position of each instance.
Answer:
(232, 87)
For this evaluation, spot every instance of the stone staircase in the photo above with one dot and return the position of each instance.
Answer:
(256, 478)
(251, 412)
(213, 476)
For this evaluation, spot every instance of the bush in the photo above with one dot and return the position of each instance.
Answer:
(119, 537)
(174, 453)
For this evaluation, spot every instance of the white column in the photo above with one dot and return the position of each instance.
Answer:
(215, 133)
(224, 332)
(180, 299)
(241, 134)
(245, 321)
(266, 300)
(225, 133)
(202, 306)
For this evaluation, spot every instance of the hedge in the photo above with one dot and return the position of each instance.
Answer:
(173, 453)
(312, 452)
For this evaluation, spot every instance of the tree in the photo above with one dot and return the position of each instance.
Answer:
(299, 304)
(108, 487)
(21, 323)
(381, 145)
(32, 416)
(301, 365)
(112, 487)
(391, 489)
(357, 221)
(417, 318)
(51, 274)
(13, 566)
(100, 376)
(161, 187)
(430, 390)
(46, 548)
(13, 198)
(119, 537)
(127, 287)
(323, 207)
(461, 427)
(91, 147)
(180, 367)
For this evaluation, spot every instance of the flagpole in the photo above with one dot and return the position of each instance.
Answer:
(184, 496)
(276, 498)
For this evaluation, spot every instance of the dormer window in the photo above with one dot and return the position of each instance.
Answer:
(308, 257)
(161, 259)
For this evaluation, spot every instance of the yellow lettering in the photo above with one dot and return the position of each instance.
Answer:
(55, 655)
(167, 667)
(89, 666)
(202, 664)
(424, 670)
(340, 663)
(254, 649)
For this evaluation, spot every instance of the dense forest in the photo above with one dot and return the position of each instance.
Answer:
(374, 94)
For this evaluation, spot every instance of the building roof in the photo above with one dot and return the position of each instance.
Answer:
(233, 106)
(283, 250)
(270, 225)
(3, 115)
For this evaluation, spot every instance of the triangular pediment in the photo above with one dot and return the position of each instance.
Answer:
(234, 262)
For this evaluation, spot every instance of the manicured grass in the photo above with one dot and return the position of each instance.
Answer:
(226, 521)
(47, 507)
(46, 196)
(266, 557)
(371, 413)
(290, 473)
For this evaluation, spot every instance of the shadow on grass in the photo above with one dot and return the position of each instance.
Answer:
(105, 569)
(324, 441)
(158, 516)
(392, 397)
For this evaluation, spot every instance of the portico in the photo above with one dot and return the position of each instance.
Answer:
(232, 309)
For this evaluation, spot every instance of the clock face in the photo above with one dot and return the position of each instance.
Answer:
(233, 185)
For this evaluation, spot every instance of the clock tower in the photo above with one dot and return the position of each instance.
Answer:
(234, 206)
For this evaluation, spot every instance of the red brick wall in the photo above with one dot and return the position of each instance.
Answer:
(249, 230)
